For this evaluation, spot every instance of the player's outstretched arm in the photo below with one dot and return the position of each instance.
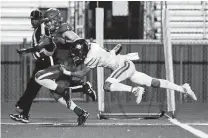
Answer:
(117, 49)
(78, 74)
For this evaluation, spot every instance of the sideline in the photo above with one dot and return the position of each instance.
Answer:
(107, 124)
(194, 131)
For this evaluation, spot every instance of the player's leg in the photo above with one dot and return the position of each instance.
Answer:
(81, 113)
(112, 83)
(47, 78)
(31, 91)
(86, 88)
(122, 73)
(144, 79)
(23, 105)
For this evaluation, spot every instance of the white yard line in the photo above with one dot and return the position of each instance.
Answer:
(194, 131)
(105, 124)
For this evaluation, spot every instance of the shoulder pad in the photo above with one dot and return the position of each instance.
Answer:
(65, 27)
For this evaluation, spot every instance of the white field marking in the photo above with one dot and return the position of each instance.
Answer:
(105, 124)
(194, 131)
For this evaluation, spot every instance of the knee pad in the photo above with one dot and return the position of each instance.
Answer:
(106, 86)
(155, 83)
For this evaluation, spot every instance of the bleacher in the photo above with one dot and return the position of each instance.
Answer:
(15, 25)
(188, 20)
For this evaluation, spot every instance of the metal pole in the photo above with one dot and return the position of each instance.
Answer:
(204, 18)
(181, 72)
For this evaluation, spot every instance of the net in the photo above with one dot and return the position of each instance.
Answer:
(152, 63)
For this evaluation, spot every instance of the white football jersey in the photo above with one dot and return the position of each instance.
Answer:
(99, 57)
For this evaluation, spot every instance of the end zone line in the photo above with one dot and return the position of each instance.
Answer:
(194, 131)
(103, 124)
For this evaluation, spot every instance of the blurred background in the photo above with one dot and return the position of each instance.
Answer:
(122, 20)
(135, 24)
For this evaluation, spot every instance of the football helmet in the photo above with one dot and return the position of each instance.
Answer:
(79, 51)
(52, 19)
(36, 16)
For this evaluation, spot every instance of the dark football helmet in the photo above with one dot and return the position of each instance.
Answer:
(79, 51)
(36, 16)
(52, 19)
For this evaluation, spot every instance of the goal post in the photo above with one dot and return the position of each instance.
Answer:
(166, 40)
(100, 70)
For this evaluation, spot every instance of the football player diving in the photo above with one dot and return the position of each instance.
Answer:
(92, 55)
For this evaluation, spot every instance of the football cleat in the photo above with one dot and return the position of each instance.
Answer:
(15, 117)
(82, 119)
(89, 91)
(19, 117)
(67, 96)
(138, 92)
(25, 119)
(188, 91)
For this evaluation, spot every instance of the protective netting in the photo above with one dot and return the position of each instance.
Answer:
(15, 73)
(151, 63)
(11, 80)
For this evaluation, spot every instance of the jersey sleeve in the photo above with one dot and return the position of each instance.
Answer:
(65, 27)
(90, 62)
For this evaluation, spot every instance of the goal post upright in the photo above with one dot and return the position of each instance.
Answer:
(100, 70)
(168, 57)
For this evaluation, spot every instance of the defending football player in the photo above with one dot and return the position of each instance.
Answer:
(92, 55)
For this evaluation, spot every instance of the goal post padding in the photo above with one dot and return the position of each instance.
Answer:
(100, 70)
(168, 57)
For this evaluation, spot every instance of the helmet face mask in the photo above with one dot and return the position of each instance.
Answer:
(78, 55)
(53, 19)
(35, 22)
(77, 60)
(79, 51)
(50, 25)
